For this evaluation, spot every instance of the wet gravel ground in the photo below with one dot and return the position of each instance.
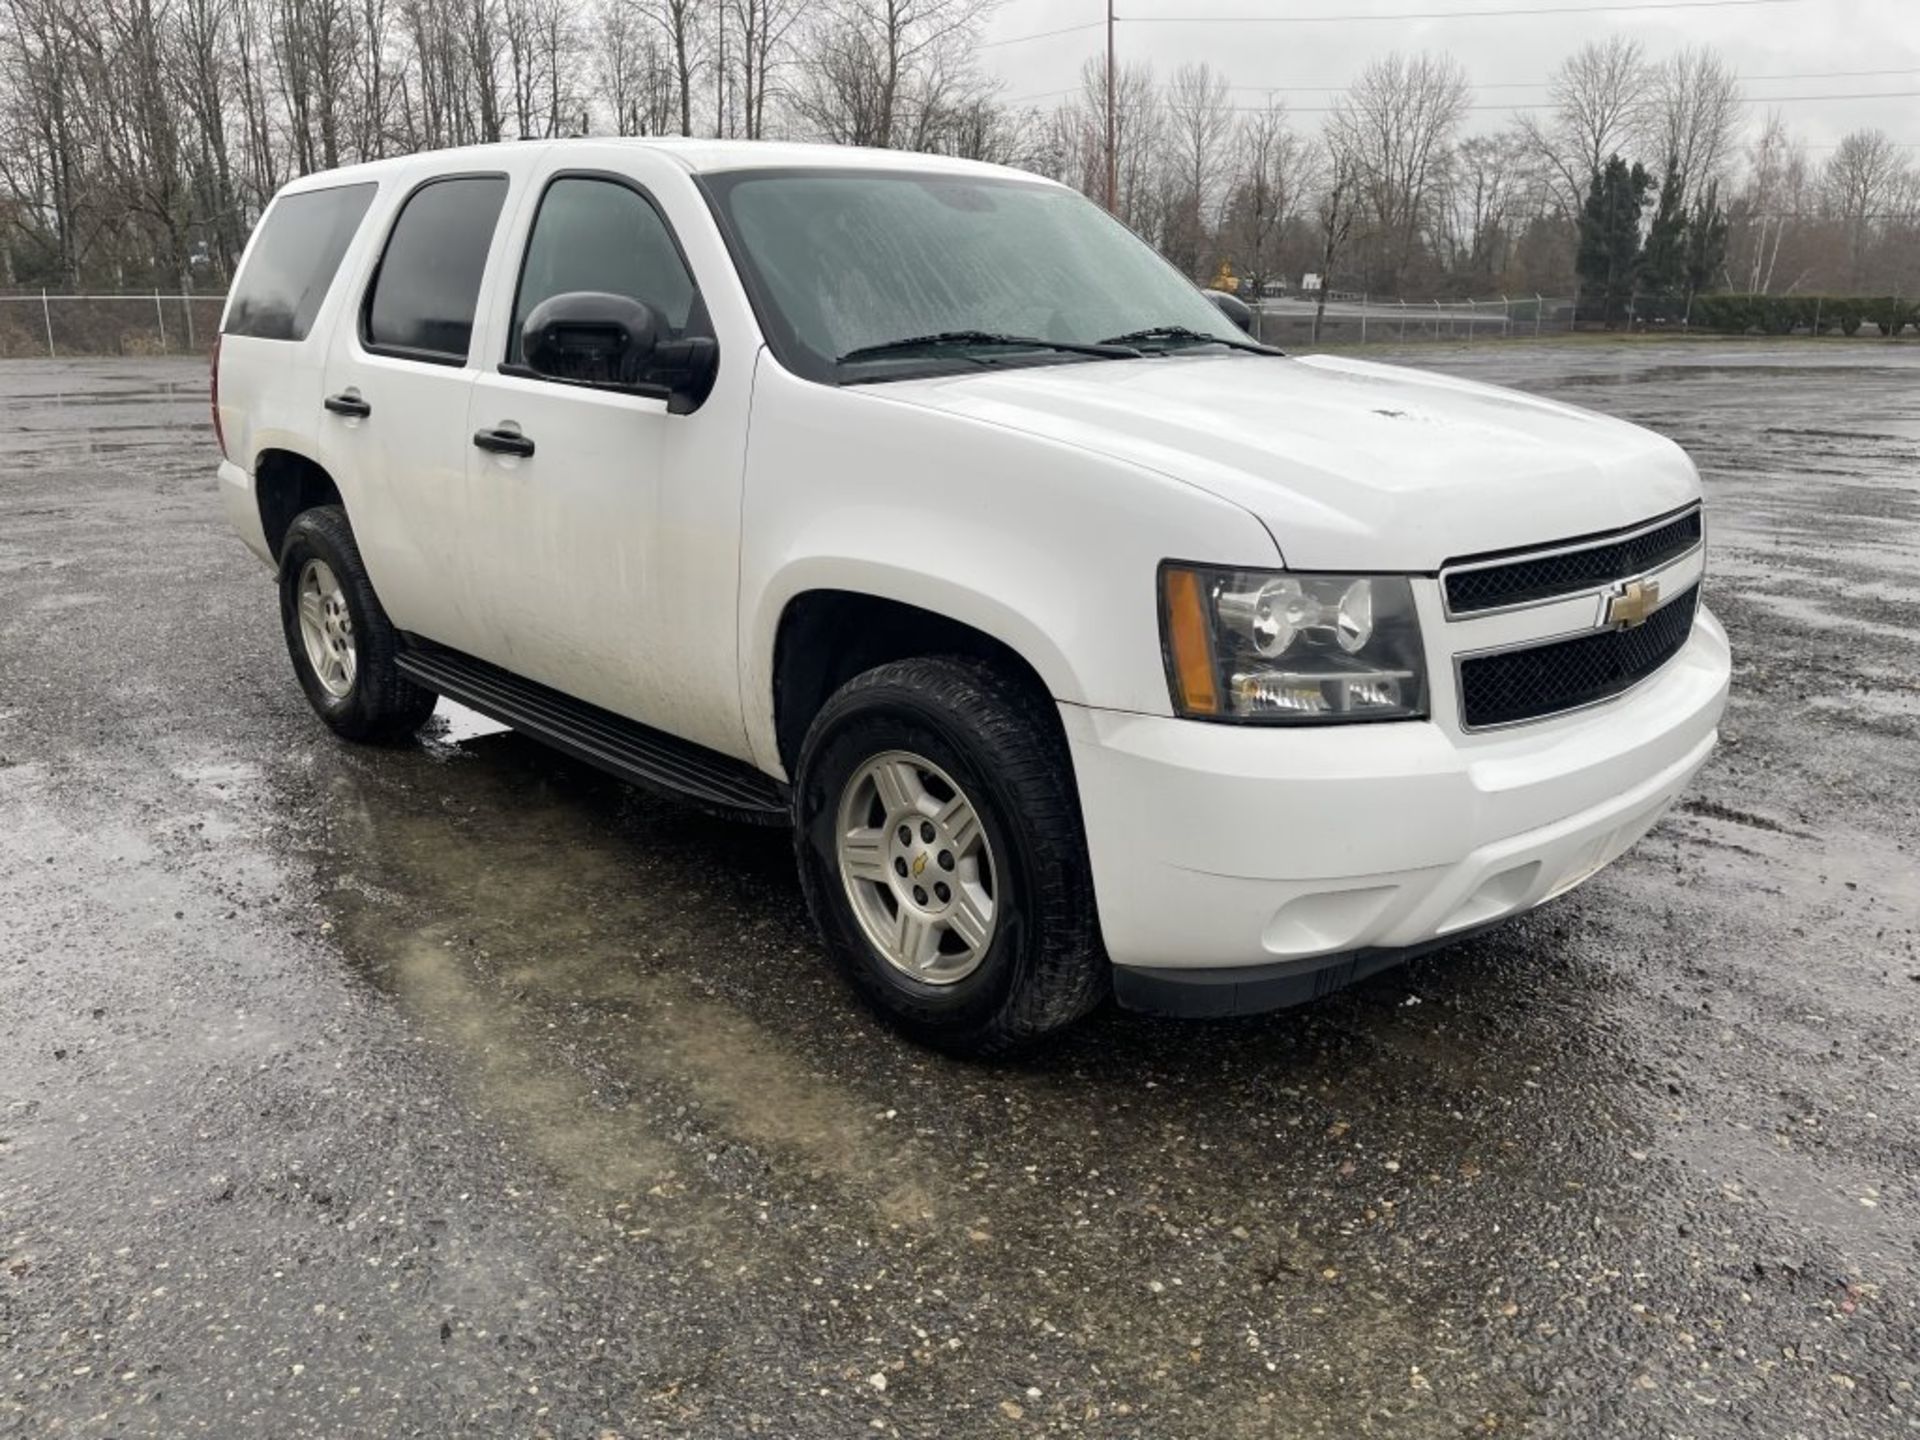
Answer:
(453, 1090)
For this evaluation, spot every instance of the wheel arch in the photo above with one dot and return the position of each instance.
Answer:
(825, 635)
(286, 482)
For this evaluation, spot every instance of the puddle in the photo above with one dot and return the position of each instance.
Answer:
(562, 968)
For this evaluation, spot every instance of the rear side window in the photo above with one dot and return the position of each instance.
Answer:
(599, 235)
(428, 284)
(294, 260)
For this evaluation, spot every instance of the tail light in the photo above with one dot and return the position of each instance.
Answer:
(213, 395)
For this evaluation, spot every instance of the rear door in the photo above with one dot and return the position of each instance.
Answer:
(273, 335)
(397, 381)
(610, 554)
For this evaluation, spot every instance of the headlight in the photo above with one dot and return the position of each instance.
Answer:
(1270, 647)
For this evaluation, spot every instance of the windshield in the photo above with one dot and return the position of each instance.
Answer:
(844, 261)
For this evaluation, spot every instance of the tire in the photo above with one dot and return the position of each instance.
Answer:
(994, 743)
(371, 701)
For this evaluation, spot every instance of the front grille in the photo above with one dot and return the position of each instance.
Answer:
(1541, 577)
(1513, 685)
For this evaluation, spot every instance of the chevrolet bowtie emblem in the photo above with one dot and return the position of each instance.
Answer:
(919, 865)
(1633, 603)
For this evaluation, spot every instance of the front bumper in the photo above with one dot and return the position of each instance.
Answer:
(1302, 859)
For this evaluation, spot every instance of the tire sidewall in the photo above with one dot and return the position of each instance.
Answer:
(373, 709)
(305, 543)
(895, 719)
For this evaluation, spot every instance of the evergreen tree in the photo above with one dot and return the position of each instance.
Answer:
(1663, 265)
(1706, 243)
(1609, 256)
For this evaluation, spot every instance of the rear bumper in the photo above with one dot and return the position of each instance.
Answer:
(243, 509)
(1291, 862)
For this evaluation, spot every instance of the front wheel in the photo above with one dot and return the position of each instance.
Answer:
(940, 846)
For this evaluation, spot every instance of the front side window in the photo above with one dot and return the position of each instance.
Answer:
(841, 262)
(598, 235)
(287, 273)
(428, 284)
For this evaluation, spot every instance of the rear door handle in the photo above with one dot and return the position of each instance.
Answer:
(503, 442)
(351, 405)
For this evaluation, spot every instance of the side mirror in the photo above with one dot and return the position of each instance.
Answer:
(1233, 307)
(590, 337)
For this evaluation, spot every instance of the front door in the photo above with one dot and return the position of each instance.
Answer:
(609, 555)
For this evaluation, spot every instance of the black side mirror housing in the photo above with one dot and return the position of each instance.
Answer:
(1233, 307)
(587, 337)
(686, 367)
(590, 338)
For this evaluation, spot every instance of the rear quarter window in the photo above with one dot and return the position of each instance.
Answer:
(294, 260)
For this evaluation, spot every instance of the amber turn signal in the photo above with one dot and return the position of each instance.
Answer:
(1189, 650)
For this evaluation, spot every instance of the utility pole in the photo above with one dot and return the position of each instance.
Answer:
(1113, 161)
(720, 112)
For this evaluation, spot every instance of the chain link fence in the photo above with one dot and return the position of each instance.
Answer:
(1361, 319)
(50, 324)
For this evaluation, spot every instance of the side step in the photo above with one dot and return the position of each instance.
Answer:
(624, 748)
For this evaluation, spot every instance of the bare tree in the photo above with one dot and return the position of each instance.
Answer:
(875, 60)
(1772, 203)
(1483, 187)
(1599, 98)
(201, 46)
(1339, 204)
(140, 139)
(1198, 123)
(1862, 179)
(1395, 127)
(1078, 137)
(1692, 116)
(766, 35)
(1268, 189)
(634, 78)
(678, 25)
(367, 124)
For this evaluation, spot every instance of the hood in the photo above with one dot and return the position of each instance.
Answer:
(1351, 465)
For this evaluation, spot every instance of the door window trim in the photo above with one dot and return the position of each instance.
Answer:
(410, 352)
(697, 311)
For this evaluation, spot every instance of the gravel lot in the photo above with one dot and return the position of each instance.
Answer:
(453, 1090)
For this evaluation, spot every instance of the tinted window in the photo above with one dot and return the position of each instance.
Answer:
(293, 262)
(429, 281)
(598, 235)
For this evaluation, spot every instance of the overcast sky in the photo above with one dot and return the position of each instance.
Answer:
(1507, 58)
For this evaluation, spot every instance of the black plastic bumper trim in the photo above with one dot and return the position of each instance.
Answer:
(1256, 989)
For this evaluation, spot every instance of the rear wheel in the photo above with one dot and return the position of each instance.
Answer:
(341, 642)
(940, 846)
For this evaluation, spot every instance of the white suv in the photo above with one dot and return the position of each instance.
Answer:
(1086, 644)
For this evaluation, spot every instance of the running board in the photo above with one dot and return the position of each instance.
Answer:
(623, 748)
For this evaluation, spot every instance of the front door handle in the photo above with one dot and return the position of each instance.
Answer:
(349, 405)
(503, 442)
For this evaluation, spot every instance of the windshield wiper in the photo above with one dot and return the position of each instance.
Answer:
(1190, 336)
(1105, 350)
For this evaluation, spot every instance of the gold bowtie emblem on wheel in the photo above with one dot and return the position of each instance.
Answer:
(1634, 602)
(919, 865)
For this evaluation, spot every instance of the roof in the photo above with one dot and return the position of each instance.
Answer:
(710, 155)
(698, 155)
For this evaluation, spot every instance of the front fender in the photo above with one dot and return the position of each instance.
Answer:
(1049, 548)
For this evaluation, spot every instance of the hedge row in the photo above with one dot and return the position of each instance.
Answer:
(1816, 314)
